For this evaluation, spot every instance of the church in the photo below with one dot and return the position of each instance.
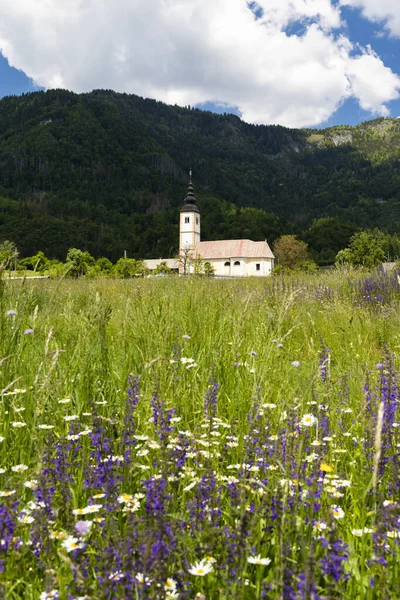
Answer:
(229, 258)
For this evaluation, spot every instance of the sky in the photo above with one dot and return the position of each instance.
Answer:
(297, 63)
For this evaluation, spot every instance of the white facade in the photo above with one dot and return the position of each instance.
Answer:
(189, 231)
(242, 267)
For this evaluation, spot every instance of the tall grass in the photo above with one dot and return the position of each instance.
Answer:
(219, 443)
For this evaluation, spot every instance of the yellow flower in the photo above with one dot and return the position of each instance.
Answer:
(326, 468)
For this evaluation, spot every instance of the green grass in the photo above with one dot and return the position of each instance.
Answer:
(90, 335)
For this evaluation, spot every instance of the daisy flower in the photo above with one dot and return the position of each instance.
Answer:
(308, 420)
(257, 560)
(201, 568)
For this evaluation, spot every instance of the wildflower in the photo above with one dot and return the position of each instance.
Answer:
(257, 560)
(116, 576)
(92, 508)
(64, 401)
(337, 512)
(31, 484)
(388, 503)
(326, 468)
(98, 496)
(308, 420)
(311, 457)
(11, 313)
(170, 595)
(58, 535)
(44, 426)
(25, 519)
(253, 353)
(6, 493)
(2, 438)
(186, 336)
(201, 568)
(142, 452)
(295, 363)
(394, 535)
(82, 528)
(28, 331)
(380, 366)
(72, 543)
(170, 585)
(360, 532)
(70, 418)
(141, 578)
(19, 468)
(49, 595)
(18, 424)
(125, 498)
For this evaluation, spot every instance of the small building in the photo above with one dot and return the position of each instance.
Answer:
(229, 258)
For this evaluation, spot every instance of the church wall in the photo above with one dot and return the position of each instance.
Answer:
(247, 267)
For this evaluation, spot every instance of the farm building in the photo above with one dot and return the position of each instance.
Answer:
(229, 258)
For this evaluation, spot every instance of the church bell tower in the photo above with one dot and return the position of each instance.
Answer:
(189, 226)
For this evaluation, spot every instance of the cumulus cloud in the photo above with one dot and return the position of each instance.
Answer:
(381, 11)
(234, 52)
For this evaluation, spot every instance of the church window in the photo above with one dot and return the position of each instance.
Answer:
(197, 220)
(187, 219)
(258, 267)
(227, 264)
(236, 263)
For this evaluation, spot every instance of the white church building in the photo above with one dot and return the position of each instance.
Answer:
(229, 258)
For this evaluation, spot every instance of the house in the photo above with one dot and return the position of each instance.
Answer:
(229, 258)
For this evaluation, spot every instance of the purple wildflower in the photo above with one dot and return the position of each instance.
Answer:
(29, 331)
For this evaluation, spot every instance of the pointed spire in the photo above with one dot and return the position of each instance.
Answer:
(190, 200)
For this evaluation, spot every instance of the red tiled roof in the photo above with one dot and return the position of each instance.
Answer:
(233, 249)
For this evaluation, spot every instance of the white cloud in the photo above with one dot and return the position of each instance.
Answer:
(193, 51)
(381, 11)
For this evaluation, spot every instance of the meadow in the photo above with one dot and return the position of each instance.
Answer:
(200, 439)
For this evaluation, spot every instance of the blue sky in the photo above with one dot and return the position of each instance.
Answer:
(356, 28)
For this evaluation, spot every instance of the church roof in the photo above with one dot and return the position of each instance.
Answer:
(190, 200)
(234, 249)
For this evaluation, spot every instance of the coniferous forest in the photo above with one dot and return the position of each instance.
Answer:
(107, 172)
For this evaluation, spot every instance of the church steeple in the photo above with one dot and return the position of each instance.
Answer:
(189, 224)
(190, 200)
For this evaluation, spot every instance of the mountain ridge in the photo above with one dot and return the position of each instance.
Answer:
(108, 172)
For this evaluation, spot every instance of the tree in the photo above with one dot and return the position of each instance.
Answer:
(162, 268)
(366, 249)
(78, 262)
(104, 265)
(38, 262)
(8, 254)
(185, 260)
(209, 270)
(129, 267)
(290, 252)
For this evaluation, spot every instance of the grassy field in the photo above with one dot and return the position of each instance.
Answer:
(191, 438)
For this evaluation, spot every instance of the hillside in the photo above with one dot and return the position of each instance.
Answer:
(107, 172)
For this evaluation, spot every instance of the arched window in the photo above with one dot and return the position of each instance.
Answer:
(236, 263)
(227, 264)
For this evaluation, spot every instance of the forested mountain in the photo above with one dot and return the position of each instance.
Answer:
(107, 172)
